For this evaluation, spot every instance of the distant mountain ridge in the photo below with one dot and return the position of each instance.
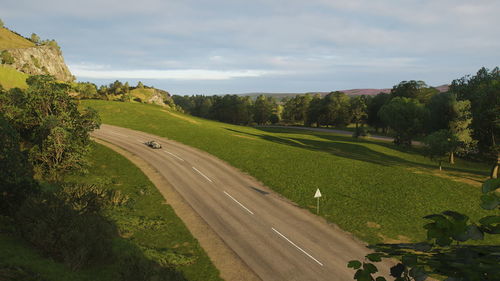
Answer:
(351, 92)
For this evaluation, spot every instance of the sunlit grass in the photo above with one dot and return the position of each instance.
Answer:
(372, 189)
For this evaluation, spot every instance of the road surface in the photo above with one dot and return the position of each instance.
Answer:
(275, 238)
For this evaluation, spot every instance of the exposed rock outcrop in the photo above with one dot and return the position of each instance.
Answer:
(42, 59)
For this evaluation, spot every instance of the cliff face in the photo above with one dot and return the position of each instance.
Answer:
(42, 59)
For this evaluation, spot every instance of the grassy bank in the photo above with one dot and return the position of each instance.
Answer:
(11, 78)
(372, 189)
(145, 224)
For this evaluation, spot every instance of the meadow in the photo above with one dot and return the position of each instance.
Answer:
(372, 189)
(145, 223)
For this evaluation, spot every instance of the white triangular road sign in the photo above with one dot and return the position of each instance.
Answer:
(317, 194)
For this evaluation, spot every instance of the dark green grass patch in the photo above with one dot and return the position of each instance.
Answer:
(370, 188)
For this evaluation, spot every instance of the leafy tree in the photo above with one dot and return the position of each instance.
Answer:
(483, 92)
(52, 129)
(444, 252)
(440, 144)
(263, 109)
(314, 111)
(459, 127)
(446, 113)
(335, 109)
(415, 90)
(405, 116)
(358, 111)
(16, 177)
(140, 85)
(373, 108)
(6, 57)
(35, 38)
(2, 25)
(295, 109)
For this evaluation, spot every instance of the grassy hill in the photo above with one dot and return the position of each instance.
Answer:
(11, 40)
(372, 189)
(142, 93)
(11, 78)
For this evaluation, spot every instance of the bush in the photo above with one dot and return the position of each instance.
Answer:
(360, 132)
(66, 227)
(6, 57)
(135, 267)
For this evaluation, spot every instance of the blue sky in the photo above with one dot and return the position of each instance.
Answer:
(233, 46)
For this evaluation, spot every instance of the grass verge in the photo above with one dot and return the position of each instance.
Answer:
(145, 224)
(373, 189)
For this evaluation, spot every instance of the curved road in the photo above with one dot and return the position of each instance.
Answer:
(275, 238)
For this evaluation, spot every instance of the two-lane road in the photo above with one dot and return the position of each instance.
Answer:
(276, 239)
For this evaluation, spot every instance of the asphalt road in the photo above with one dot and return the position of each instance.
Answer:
(275, 238)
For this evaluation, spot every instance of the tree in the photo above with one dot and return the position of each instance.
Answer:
(358, 112)
(405, 116)
(263, 109)
(444, 253)
(16, 177)
(2, 25)
(54, 132)
(374, 106)
(295, 109)
(335, 109)
(35, 38)
(439, 145)
(483, 92)
(140, 85)
(314, 111)
(446, 113)
(459, 127)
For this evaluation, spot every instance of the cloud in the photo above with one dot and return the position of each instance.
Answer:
(101, 72)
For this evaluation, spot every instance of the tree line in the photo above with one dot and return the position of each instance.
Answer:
(234, 109)
(463, 120)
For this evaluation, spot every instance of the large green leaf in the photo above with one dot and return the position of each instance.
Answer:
(490, 185)
(489, 201)
(354, 264)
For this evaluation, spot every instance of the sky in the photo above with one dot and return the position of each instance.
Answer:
(234, 46)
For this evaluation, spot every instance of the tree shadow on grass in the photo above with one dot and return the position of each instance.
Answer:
(346, 146)
(341, 147)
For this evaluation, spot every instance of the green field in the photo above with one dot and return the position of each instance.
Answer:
(11, 78)
(372, 189)
(145, 223)
(10, 40)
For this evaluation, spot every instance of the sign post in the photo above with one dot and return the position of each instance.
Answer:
(317, 195)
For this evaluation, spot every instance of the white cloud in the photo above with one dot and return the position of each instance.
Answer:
(101, 72)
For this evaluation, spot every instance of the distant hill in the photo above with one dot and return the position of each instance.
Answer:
(150, 95)
(351, 92)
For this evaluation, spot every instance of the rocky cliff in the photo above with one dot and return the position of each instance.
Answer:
(44, 59)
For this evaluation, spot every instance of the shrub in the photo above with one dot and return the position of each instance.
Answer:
(135, 267)
(6, 57)
(67, 226)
